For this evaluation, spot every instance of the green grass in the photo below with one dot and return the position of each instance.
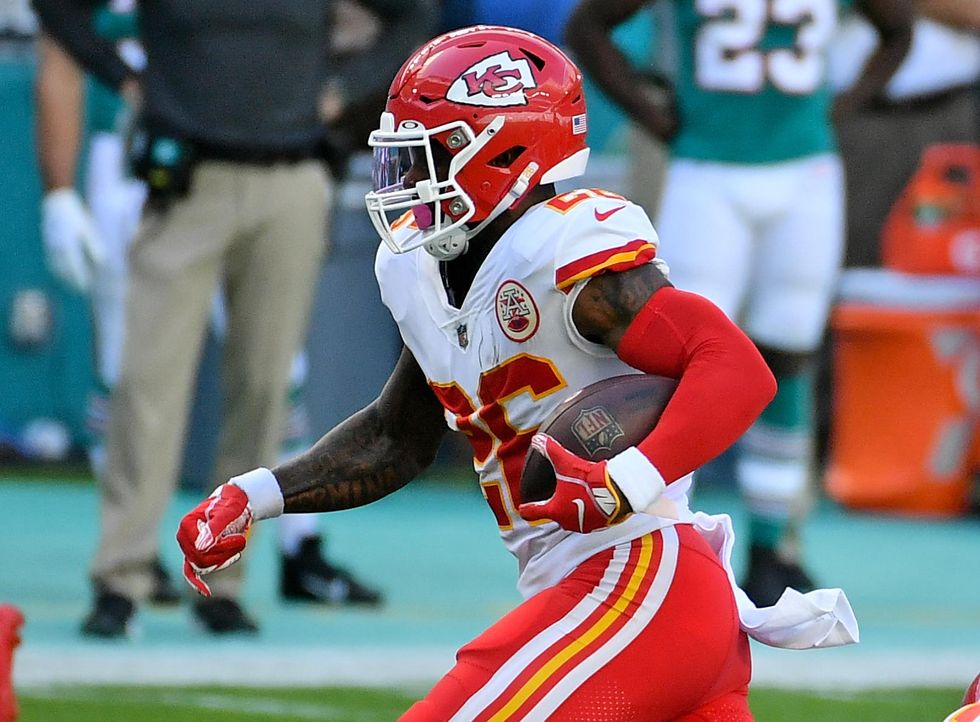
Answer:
(883, 705)
(224, 704)
(214, 704)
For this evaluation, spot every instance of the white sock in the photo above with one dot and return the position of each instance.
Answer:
(294, 528)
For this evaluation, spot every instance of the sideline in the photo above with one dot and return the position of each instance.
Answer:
(418, 668)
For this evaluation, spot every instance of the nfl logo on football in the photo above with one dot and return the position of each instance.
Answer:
(596, 429)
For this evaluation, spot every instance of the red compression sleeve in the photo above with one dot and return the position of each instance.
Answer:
(724, 383)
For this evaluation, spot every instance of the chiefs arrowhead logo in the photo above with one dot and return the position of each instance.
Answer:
(517, 313)
(496, 81)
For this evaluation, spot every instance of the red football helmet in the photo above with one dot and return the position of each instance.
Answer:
(508, 107)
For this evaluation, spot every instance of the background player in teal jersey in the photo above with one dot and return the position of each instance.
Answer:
(752, 214)
(86, 243)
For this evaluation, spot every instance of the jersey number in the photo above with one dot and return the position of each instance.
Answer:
(727, 56)
(489, 427)
(567, 201)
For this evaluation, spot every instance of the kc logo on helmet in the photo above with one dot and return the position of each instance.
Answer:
(497, 81)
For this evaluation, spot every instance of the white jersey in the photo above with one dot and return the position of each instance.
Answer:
(502, 362)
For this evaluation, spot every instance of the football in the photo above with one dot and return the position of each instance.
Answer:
(597, 423)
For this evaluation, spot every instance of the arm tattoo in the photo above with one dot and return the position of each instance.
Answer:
(609, 302)
(373, 453)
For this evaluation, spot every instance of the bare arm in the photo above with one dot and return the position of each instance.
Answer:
(58, 96)
(70, 23)
(608, 304)
(589, 35)
(964, 14)
(893, 21)
(367, 74)
(373, 453)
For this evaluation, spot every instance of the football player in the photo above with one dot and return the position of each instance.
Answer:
(753, 207)
(510, 297)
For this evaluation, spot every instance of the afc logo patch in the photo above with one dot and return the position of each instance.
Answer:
(517, 313)
(496, 81)
(596, 429)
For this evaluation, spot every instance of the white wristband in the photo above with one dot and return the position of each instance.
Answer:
(263, 492)
(638, 479)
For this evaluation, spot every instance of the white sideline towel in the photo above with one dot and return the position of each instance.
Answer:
(821, 618)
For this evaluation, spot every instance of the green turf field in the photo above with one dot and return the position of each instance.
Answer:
(224, 704)
(433, 548)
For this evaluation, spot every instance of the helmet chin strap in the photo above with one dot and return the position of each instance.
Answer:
(454, 244)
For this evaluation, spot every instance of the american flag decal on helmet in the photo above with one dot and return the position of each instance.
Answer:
(578, 124)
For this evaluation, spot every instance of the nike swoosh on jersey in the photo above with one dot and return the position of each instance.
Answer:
(605, 214)
(580, 505)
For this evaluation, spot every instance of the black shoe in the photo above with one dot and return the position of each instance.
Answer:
(109, 617)
(163, 593)
(308, 577)
(768, 576)
(221, 615)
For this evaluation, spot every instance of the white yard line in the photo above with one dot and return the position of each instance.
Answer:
(853, 669)
(230, 665)
(418, 668)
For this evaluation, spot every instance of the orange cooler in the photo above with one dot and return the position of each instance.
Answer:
(905, 435)
(934, 226)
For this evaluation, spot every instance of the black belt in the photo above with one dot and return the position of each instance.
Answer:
(252, 156)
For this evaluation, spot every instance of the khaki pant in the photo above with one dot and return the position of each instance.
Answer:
(259, 230)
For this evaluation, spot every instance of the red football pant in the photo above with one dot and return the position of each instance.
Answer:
(643, 632)
(11, 621)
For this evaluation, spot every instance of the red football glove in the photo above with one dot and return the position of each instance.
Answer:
(213, 534)
(585, 498)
